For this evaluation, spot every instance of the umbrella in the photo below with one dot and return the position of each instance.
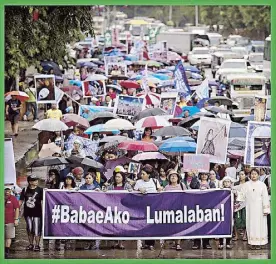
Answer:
(116, 87)
(72, 120)
(51, 125)
(151, 80)
(191, 69)
(100, 129)
(130, 84)
(151, 98)
(48, 65)
(48, 150)
(95, 77)
(236, 142)
(221, 99)
(161, 76)
(163, 71)
(120, 124)
(191, 109)
(49, 161)
(176, 147)
(137, 146)
(172, 131)
(75, 82)
(251, 118)
(21, 96)
(217, 110)
(114, 138)
(104, 116)
(149, 112)
(149, 156)
(85, 162)
(88, 64)
(154, 122)
(190, 120)
(237, 130)
(118, 77)
(190, 139)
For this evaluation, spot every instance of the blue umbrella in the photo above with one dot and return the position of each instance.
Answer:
(191, 68)
(176, 147)
(192, 109)
(162, 77)
(100, 129)
(190, 139)
(163, 71)
(75, 82)
(196, 76)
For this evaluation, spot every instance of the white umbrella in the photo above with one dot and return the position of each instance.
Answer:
(120, 124)
(51, 125)
(48, 150)
(96, 77)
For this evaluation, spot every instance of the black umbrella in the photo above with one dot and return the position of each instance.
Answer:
(190, 120)
(101, 118)
(149, 112)
(48, 65)
(221, 99)
(172, 131)
(79, 161)
(49, 161)
(119, 77)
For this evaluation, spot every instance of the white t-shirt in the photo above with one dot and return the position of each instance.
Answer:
(231, 172)
(150, 186)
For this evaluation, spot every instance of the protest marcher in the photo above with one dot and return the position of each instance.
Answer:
(257, 209)
(69, 182)
(188, 179)
(62, 105)
(32, 197)
(54, 113)
(226, 184)
(77, 150)
(214, 179)
(90, 183)
(78, 174)
(263, 175)
(11, 218)
(201, 183)
(231, 169)
(240, 215)
(31, 105)
(53, 180)
(163, 180)
(13, 113)
(147, 185)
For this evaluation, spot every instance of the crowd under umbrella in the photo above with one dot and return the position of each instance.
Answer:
(72, 120)
(48, 161)
(155, 122)
(172, 131)
(138, 146)
(21, 96)
(177, 147)
(149, 112)
(79, 161)
(215, 109)
(51, 125)
(221, 99)
(190, 120)
(100, 118)
(149, 156)
(151, 98)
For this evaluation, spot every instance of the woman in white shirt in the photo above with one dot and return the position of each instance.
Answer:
(147, 185)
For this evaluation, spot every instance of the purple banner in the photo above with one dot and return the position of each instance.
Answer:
(129, 216)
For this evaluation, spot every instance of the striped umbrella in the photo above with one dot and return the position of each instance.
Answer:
(151, 98)
(155, 122)
(19, 95)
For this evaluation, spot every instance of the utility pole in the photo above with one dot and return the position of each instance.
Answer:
(170, 13)
(196, 16)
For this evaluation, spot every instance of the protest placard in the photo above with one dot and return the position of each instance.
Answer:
(45, 89)
(200, 162)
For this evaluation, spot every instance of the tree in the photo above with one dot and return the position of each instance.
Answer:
(33, 34)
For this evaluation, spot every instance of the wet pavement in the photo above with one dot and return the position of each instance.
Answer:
(26, 150)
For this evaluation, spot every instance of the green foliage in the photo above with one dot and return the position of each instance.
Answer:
(27, 42)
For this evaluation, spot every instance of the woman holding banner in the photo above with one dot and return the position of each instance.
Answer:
(175, 185)
(201, 183)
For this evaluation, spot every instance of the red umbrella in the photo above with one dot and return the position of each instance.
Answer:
(75, 120)
(19, 95)
(154, 122)
(130, 84)
(138, 146)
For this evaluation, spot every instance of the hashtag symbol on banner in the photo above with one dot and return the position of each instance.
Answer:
(55, 214)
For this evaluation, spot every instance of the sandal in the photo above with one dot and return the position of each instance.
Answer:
(37, 248)
(244, 239)
(30, 247)
(234, 239)
(121, 247)
(145, 247)
(178, 247)
(151, 248)
(207, 247)
(195, 247)
(252, 247)
(228, 246)
(258, 247)
(220, 247)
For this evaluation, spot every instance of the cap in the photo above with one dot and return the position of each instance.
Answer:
(8, 188)
(119, 169)
(77, 142)
(70, 175)
(32, 178)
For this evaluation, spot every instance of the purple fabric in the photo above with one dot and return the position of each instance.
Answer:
(135, 204)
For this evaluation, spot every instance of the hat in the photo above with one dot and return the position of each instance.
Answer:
(77, 142)
(227, 178)
(70, 175)
(119, 169)
(32, 178)
(173, 172)
(7, 188)
(78, 170)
